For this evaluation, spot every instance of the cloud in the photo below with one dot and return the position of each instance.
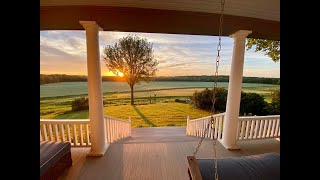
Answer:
(65, 52)
(51, 51)
(175, 65)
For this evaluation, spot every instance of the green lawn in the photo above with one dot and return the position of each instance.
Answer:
(165, 112)
(144, 115)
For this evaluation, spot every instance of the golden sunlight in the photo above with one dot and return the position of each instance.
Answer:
(120, 74)
(108, 73)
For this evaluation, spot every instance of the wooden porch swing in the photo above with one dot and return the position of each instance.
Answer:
(262, 166)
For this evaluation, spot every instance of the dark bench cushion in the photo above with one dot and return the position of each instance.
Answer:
(262, 166)
(51, 152)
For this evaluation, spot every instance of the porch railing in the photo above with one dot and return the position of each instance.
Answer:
(77, 131)
(258, 127)
(117, 128)
(196, 127)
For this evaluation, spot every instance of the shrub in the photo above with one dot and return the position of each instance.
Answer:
(252, 103)
(203, 99)
(275, 102)
(171, 124)
(80, 104)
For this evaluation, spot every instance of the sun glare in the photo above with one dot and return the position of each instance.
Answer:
(120, 74)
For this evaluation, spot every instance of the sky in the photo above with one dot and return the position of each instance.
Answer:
(64, 52)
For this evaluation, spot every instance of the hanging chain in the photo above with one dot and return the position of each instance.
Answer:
(212, 112)
(217, 59)
(215, 88)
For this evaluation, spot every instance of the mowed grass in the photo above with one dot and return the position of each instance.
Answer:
(145, 115)
(164, 112)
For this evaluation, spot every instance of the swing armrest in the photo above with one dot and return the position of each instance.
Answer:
(194, 170)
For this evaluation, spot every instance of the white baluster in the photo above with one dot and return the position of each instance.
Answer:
(265, 128)
(187, 131)
(220, 128)
(50, 133)
(109, 130)
(261, 128)
(75, 140)
(243, 123)
(216, 131)
(112, 130)
(277, 128)
(81, 134)
(256, 129)
(62, 132)
(44, 129)
(247, 129)
(269, 128)
(87, 134)
(56, 133)
(273, 128)
(40, 135)
(68, 133)
(252, 128)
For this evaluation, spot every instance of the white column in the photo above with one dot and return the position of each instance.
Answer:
(230, 126)
(98, 143)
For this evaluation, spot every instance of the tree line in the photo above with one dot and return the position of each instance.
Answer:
(55, 78)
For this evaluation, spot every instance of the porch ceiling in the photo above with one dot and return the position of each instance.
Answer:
(199, 17)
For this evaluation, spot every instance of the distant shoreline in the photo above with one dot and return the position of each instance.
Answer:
(56, 78)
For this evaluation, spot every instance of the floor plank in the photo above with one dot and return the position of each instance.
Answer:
(155, 153)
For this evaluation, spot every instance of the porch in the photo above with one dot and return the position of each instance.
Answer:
(155, 153)
(159, 153)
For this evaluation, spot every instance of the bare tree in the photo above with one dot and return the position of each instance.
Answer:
(133, 57)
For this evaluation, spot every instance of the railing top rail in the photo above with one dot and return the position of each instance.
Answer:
(245, 118)
(64, 121)
(117, 119)
(216, 115)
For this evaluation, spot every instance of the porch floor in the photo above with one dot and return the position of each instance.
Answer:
(155, 153)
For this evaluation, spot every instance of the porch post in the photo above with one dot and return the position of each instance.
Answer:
(229, 139)
(98, 143)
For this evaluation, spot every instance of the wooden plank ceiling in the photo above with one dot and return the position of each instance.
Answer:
(199, 17)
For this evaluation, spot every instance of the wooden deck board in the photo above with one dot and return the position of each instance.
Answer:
(154, 153)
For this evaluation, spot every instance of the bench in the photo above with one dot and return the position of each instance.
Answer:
(55, 159)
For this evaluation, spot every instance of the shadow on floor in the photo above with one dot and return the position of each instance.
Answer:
(144, 118)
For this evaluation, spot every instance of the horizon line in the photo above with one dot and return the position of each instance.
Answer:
(161, 76)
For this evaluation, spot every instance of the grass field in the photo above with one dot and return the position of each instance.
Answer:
(81, 88)
(144, 115)
(164, 112)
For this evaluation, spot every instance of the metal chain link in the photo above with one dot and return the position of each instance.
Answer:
(212, 112)
(203, 135)
(222, 2)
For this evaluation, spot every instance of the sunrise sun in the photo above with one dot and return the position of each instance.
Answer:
(120, 74)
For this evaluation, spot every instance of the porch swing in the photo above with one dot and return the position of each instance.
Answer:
(262, 166)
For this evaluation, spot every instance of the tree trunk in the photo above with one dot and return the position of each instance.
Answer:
(132, 100)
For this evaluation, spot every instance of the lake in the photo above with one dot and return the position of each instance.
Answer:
(78, 88)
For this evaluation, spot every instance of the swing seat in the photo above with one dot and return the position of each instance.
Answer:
(262, 166)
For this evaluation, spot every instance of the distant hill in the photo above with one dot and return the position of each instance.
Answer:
(55, 78)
